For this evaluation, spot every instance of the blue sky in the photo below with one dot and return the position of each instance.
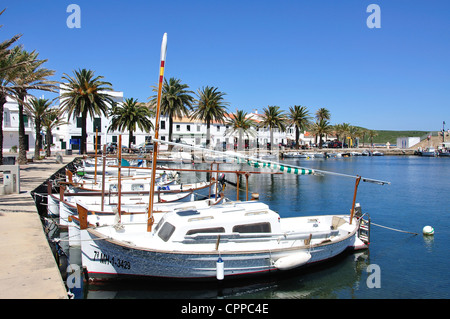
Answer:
(315, 53)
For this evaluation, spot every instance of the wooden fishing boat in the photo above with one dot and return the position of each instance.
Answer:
(108, 214)
(232, 239)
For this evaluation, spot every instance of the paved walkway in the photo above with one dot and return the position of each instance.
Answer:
(29, 270)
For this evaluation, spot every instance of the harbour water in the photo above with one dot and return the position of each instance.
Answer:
(398, 265)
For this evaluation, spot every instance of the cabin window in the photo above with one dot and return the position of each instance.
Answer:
(253, 228)
(166, 231)
(137, 187)
(206, 230)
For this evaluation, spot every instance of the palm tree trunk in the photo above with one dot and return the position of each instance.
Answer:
(48, 138)
(271, 139)
(37, 143)
(22, 158)
(297, 137)
(83, 147)
(240, 148)
(208, 133)
(2, 103)
(170, 132)
(130, 139)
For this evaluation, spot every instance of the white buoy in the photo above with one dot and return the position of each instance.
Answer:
(428, 230)
(219, 269)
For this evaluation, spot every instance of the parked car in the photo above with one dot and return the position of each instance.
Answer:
(146, 148)
(111, 147)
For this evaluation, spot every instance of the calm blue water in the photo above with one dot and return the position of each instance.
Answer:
(410, 266)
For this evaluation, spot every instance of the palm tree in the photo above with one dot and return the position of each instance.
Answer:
(372, 134)
(8, 68)
(354, 133)
(320, 128)
(364, 132)
(344, 132)
(241, 124)
(37, 109)
(176, 101)
(129, 116)
(85, 94)
(323, 114)
(299, 117)
(51, 120)
(273, 117)
(31, 76)
(210, 106)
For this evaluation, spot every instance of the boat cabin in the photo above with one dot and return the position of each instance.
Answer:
(228, 220)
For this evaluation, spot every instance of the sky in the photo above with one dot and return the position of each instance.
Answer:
(314, 53)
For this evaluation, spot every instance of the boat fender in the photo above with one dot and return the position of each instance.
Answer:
(292, 261)
(219, 269)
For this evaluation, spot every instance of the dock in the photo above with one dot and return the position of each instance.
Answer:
(29, 269)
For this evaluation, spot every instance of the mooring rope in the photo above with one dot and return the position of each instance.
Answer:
(399, 230)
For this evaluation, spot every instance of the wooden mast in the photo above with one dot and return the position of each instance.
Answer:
(150, 220)
(103, 175)
(96, 140)
(354, 198)
(119, 177)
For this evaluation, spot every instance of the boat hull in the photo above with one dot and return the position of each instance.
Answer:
(104, 259)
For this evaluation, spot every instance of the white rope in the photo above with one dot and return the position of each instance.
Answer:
(402, 231)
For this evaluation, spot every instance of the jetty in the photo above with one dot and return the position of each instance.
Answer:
(29, 269)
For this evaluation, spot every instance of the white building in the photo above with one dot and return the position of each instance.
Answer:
(185, 130)
(10, 127)
(407, 142)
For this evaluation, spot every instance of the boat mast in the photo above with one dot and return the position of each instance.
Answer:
(150, 220)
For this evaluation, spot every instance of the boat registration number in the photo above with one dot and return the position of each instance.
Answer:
(111, 260)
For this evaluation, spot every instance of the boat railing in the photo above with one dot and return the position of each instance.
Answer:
(204, 238)
(364, 227)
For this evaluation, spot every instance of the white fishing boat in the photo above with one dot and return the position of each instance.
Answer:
(307, 155)
(429, 152)
(129, 183)
(319, 155)
(163, 194)
(108, 213)
(354, 153)
(377, 153)
(444, 149)
(292, 155)
(233, 239)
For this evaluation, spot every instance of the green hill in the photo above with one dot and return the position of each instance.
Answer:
(391, 136)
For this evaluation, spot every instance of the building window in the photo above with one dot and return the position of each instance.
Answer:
(97, 124)
(79, 124)
(188, 128)
(198, 128)
(163, 125)
(6, 119)
(218, 128)
(25, 121)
